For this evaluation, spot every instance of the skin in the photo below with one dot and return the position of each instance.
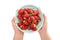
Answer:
(18, 35)
(43, 31)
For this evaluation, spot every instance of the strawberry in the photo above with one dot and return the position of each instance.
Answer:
(32, 18)
(34, 29)
(21, 11)
(29, 28)
(35, 22)
(32, 26)
(36, 12)
(39, 18)
(25, 22)
(26, 15)
(35, 17)
(24, 27)
(19, 24)
(28, 20)
(19, 17)
(29, 10)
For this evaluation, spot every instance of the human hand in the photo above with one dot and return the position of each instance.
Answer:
(44, 27)
(43, 31)
(18, 35)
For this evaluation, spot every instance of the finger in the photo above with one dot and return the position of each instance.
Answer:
(45, 22)
(45, 18)
(13, 23)
(14, 26)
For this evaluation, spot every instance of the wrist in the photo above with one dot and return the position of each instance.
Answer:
(18, 36)
(44, 36)
(43, 32)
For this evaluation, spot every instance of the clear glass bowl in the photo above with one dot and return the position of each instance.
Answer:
(40, 24)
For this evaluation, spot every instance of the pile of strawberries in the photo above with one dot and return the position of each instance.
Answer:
(28, 19)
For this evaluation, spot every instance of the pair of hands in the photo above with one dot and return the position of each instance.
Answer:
(19, 35)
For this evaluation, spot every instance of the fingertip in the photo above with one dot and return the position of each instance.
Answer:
(13, 22)
(43, 14)
(13, 19)
(45, 18)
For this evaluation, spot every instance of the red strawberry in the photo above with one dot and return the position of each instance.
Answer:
(29, 28)
(19, 24)
(21, 11)
(36, 12)
(24, 27)
(32, 26)
(26, 15)
(35, 17)
(35, 22)
(25, 22)
(29, 10)
(29, 20)
(32, 18)
(39, 18)
(19, 17)
(34, 29)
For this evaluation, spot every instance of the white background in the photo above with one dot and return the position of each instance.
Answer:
(51, 8)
